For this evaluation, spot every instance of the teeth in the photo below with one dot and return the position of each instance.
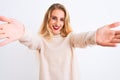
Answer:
(55, 27)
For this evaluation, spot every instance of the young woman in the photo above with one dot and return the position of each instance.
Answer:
(56, 42)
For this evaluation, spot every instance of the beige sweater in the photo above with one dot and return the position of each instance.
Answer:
(57, 57)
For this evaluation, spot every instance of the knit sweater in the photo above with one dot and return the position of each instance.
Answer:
(57, 57)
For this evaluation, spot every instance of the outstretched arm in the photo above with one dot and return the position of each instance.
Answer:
(107, 37)
(10, 31)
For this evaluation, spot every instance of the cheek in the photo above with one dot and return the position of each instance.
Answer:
(50, 24)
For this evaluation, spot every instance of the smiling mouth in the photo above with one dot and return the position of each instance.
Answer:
(56, 27)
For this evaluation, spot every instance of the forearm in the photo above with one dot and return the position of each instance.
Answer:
(83, 40)
(30, 40)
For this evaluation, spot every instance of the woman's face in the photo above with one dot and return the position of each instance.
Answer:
(56, 21)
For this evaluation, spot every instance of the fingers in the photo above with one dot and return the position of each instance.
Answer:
(110, 45)
(117, 37)
(1, 27)
(6, 41)
(2, 36)
(116, 41)
(5, 19)
(113, 25)
(2, 32)
(117, 32)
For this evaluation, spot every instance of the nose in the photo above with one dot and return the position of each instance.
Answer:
(58, 23)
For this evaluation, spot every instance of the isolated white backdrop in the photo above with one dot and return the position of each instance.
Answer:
(17, 62)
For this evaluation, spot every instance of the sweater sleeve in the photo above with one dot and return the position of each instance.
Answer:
(83, 40)
(32, 41)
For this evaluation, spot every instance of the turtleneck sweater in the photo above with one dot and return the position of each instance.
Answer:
(57, 58)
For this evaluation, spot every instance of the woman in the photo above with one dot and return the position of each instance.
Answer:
(56, 42)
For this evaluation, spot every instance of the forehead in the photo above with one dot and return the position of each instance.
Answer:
(58, 13)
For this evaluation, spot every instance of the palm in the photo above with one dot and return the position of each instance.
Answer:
(107, 37)
(10, 31)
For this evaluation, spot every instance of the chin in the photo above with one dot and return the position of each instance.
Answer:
(55, 33)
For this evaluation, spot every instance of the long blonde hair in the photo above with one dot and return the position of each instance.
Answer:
(45, 30)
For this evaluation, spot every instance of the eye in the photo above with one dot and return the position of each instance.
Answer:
(54, 18)
(62, 19)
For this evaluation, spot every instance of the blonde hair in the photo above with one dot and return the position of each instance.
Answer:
(45, 30)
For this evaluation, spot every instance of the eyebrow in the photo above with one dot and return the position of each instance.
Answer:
(56, 17)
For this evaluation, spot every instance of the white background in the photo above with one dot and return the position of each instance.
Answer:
(17, 62)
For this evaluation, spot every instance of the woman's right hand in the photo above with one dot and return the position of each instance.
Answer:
(11, 30)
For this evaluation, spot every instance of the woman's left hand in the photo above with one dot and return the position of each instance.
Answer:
(107, 37)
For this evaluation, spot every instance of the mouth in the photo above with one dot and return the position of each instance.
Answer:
(56, 27)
